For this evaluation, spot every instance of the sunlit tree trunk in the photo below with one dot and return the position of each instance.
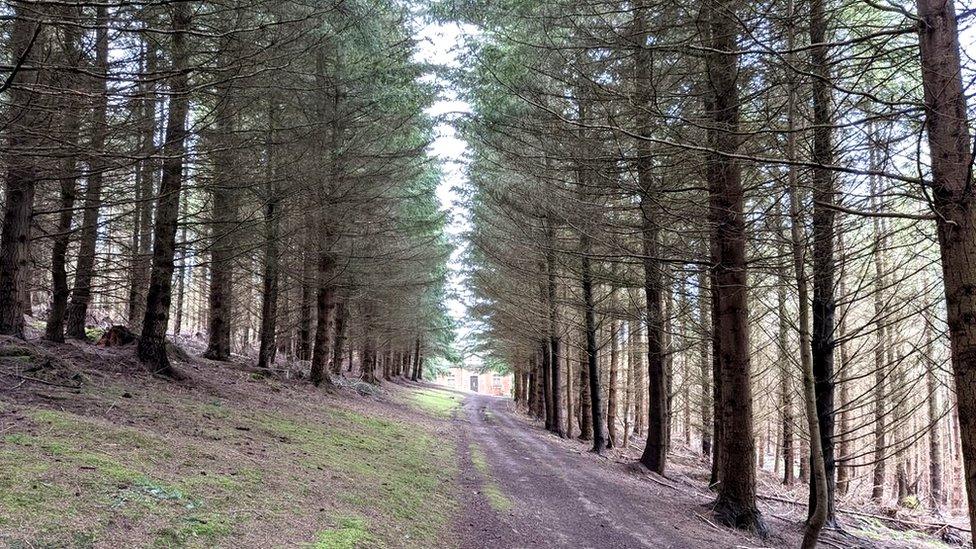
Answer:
(954, 199)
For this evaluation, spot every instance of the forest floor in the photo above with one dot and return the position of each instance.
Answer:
(96, 453)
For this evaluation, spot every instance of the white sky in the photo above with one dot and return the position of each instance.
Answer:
(438, 44)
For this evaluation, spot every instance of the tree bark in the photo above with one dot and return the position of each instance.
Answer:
(305, 312)
(655, 453)
(536, 401)
(570, 390)
(593, 368)
(844, 466)
(415, 376)
(144, 193)
(26, 112)
(786, 379)
(272, 228)
(152, 344)
(325, 320)
(819, 505)
(338, 345)
(586, 404)
(552, 328)
(223, 214)
(704, 362)
(547, 393)
(77, 311)
(736, 504)
(368, 359)
(612, 384)
(880, 375)
(954, 196)
(68, 178)
(654, 456)
(823, 253)
(936, 491)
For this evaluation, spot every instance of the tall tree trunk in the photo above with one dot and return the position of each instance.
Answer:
(338, 346)
(934, 418)
(368, 359)
(823, 252)
(547, 393)
(272, 229)
(704, 361)
(954, 196)
(325, 320)
(284, 333)
(77, 311)
(552, 327)
(586, 405)
(152, 344)
(592, 365)
(416, 362)
(629, 356)
(144, 192)
(654, 456)
(682, 315)
(637, 357)
(901, 412)
(612, 381)
(786, 378)
(819, 496)
(68, 178)
(183, 246)
(655, 453)
(845, 468)
(387, 365)
(26, 112)
(570, 390)
(736, 504)
(668, 346)
(224, 214)
(716, 473)
(535, 389)
(305, 312)
(880, 375)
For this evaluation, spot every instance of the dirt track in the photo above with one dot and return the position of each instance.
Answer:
(565, 497)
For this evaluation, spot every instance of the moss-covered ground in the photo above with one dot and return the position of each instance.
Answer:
(436, 401)
(150, 463)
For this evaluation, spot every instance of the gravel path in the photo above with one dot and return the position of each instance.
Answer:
(565, 497)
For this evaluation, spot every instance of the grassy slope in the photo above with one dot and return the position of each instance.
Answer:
(227, 460)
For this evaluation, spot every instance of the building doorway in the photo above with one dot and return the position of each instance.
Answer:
(474, 384)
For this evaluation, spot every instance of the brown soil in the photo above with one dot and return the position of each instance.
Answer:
(566, 496)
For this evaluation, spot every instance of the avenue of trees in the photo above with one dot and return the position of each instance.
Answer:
(251, 173)
(745, 227)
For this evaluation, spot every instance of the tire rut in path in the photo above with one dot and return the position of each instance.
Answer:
(562, 497)
(481, 527)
